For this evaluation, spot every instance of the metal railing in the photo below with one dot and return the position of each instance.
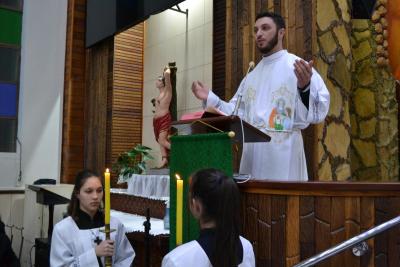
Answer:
(352, 242)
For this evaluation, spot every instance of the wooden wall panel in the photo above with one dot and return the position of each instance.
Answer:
(322, 225)
(394, 240)
(292, 230)
(352, 218)
(126, 95)
(102, 96)
(264, 230)
(338, 230)
(98, 84)
(218, 64)
(388, 242)
(231, 49)
(72, 155)
(278, 230)
(250, 223)
(367, 219)
(295, 224)
(307, 226)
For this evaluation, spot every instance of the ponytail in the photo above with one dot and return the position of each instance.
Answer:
(220, 198)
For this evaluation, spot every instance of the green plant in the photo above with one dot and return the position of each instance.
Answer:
(132, 162)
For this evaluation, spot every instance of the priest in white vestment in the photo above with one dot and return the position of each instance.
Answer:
(281, 96)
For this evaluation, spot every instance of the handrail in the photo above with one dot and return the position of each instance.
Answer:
(349, 243)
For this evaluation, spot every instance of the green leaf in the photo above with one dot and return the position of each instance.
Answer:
(132, 154)
(142, 166)
(147, 157)
(141, 148)
(132, 161)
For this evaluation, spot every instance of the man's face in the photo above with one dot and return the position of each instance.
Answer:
(266, 35)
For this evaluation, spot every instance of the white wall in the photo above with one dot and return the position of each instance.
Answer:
(41, 99)
(169, 36)
(9, 166)
(40, 111)
(41, 88)
(40, 94)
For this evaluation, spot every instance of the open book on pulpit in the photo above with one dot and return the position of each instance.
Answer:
(208, 112)
(213, 120)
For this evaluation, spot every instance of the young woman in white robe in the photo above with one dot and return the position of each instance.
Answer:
(77, 239)
(214, 201)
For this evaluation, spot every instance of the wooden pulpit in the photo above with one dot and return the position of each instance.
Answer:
(211, 123)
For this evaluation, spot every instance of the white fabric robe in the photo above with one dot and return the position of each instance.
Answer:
(71, 246)
(271, 102)
(192, 254)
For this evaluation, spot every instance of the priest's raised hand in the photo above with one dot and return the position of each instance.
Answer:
(303, 72)
(200, 90)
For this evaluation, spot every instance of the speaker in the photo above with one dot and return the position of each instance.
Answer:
(105, 18)
(362, 9)
(42, 252)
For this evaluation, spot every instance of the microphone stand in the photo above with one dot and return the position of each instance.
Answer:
(147, 227)
(240, 95)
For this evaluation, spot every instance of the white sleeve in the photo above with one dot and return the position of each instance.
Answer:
(124, 253)
(227, 107)
(249, 259)
(167, 261)
(62, 253)
(318, 106)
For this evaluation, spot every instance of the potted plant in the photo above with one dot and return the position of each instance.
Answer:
(132, 162)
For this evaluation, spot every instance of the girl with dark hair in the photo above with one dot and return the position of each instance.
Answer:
(214, 201)
(77, 239)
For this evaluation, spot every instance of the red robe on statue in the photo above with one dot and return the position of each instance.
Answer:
(161, 124)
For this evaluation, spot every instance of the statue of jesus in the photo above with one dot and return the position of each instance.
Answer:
(162, 116)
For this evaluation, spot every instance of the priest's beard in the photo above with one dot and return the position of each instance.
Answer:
(270, 45)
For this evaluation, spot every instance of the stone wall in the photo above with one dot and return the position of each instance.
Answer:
(334, 65)
(374, 144)
(358, 140)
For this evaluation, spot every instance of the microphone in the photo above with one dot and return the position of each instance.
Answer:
(239, 99)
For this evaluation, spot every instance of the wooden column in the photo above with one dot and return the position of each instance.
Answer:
(72, 157)
(102, 96)
(99, 82)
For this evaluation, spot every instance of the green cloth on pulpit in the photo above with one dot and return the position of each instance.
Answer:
(188, 154)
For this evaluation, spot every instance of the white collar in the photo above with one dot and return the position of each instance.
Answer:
(273, 57)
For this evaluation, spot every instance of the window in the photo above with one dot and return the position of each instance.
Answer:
(10, 51)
